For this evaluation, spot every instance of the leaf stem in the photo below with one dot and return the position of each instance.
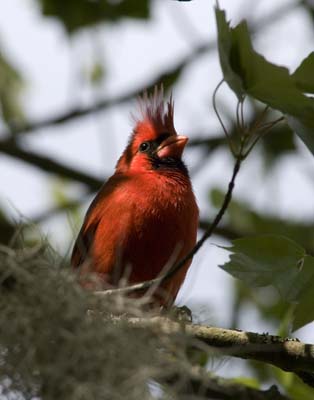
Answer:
(265, 129)
(220, 119)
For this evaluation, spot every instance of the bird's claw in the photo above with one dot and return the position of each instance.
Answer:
(181, 314)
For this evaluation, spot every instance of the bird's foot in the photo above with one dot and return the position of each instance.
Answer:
(181, 314)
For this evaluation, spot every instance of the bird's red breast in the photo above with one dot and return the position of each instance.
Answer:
(145, 215)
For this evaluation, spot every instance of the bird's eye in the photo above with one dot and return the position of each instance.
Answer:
(145, 146)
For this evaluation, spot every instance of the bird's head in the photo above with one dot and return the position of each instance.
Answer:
(154, 142)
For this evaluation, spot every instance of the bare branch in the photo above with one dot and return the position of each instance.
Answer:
(165, 77)
(47, 164)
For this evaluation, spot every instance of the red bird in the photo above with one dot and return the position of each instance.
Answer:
(145, 215)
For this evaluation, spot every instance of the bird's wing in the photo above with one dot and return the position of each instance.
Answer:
(105, 222)
(83, 244)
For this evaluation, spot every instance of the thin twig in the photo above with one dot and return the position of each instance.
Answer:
(265, 129)
(228, 196)
(220, 119)
(162, 76)
(147, 284)
(259, 119)
(167, 76)
(239, 126)
(242, 112)
(270, 124)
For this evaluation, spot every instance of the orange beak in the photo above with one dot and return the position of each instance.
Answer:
(173, 146)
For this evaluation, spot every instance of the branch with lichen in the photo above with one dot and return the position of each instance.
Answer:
(288, 354)
(110, 348)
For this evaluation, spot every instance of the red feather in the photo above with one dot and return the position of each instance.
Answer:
(146, 213)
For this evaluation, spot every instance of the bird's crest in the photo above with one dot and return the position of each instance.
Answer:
(154, 118)
(153, 109)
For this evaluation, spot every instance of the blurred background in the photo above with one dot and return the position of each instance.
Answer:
(70, 73)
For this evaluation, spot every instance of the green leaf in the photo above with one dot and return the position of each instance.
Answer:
(7, 228)
(304, 311)
(225, 54)
(76, 14)
(293, 385)
(270, 260)
(305, 133)
(243, 220)
(269, 83)
(11, 85)
(96, 73)
(279, 143)
(247, 381)
(304, 74)
(309, 7)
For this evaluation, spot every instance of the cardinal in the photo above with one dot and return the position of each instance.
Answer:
(145, 216)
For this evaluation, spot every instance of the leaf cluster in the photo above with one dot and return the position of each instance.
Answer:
(249, 73)
(270, 259)
(280, 262)
(77, 14)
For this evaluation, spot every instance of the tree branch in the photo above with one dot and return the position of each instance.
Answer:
(13, 149)
(47, 164)
(166, 77)
(285, 353)
(206, 385)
